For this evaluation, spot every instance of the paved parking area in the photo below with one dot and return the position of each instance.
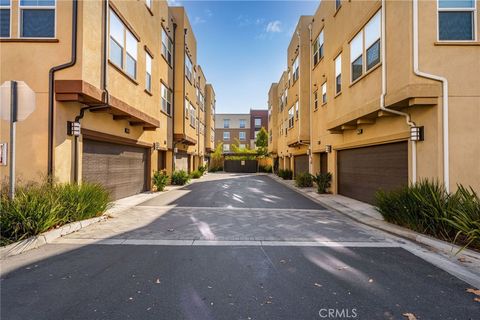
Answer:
(229, 247)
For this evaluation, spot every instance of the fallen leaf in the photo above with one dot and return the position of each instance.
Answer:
(474, 291)
(171, 230)
(463, 259)
(283, 261)
(210, 287)
(476, 299)
(317, 285)
(410, 316)
(370, 280)
(342, 268)
(157, 281)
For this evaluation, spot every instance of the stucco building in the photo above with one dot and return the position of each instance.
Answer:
(385, 105)
(127, 72)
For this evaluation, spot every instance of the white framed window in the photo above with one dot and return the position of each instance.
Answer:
(456, 20)
(242, 123)
(123, 46)
(226, 147)
(148, 72)
(167, 47)
(226, 135)
(5, 18)
(373, 30)
(37, 18)
(258, 122)
(296, 109)
(226, 123)
(338, 74)
(188, 68)
(315, 100)
(201, 100)
(242, 135)
(193, 119)
(291, 116)
(318, 49)
(356, 56)
(296, 70)
(324, 93)
(166, 99)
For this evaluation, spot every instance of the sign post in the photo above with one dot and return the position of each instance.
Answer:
(13, 124)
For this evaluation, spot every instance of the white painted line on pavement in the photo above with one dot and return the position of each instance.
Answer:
(234, 209)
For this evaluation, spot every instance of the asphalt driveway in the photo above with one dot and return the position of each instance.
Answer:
(229, 247)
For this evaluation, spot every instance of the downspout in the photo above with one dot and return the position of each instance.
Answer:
(184, 88)
(51, 85)
(384, 91)
(103, 84)
(310, 164)
(174, 143)
(444, 81)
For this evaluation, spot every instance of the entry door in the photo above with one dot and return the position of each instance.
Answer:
(300, 164)
(323, 162)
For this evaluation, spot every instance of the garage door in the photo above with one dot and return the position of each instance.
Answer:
(121, 169)
(301, 164)
(363, 171)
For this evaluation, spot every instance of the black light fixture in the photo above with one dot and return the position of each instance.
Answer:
(73, 128)
(417, 133)
(328, 148)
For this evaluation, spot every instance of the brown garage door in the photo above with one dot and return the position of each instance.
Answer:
(121, 169)
(301, 164)
(363, 171)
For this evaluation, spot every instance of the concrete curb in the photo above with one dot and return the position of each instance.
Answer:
(116, 207)
(387, 227)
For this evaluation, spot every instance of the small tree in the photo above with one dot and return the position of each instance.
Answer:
(262, 142)
(217, 157)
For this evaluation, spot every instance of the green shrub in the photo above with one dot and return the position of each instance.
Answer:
(268, 168)
(202, 169)
(216, 169)
(160, 180)
(39, 207)
(426, 207)
(323, 181)
(180, 177)
(195, 174)
(303, 180)
(285, 174)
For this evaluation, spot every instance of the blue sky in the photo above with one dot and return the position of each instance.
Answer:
(242, 46)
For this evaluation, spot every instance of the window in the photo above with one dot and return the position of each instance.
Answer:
(187, 108)
(192, 116)
(315, 100)
(226, 136)
(338, 4)
(241, 146)
(372, 41)
(37, 18)
(318, 49)
(283, 100)
(290, 117)
(167, 47)
(188, 68)
(295, 70)
(201, 101)
(338, 74)
(242, 123)
(166, 100)
(356, 56)
(121, 38)
(226, 123)
(5, 18)
(258, 122)
(456, 20)
(242, 135)
(148, 72)
(296, 109)
(226, 147)
(324, 93)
